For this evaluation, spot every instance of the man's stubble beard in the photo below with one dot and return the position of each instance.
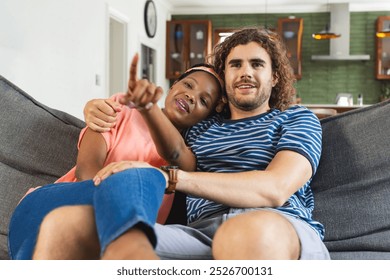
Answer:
(246, 104)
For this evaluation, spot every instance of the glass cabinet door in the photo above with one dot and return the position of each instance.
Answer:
(188, 43)
(290, 29)
(383, 48)
(175, 49)
(197, 44)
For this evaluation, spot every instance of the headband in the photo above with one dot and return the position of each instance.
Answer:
(208, 70)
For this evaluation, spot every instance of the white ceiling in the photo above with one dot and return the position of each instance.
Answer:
(269, 6)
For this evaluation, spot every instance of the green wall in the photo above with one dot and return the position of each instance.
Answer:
(322, 80)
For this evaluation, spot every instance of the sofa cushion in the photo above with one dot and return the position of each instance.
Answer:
(352, 184)
(37, 145)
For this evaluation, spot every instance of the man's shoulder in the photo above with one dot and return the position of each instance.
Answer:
(202, 126)
(216, 118)
(296, 108)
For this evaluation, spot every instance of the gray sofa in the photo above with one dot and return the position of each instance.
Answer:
(351, 187)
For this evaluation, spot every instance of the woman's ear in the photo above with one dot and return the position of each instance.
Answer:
(221, 104)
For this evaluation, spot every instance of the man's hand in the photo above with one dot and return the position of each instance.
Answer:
(100, 114)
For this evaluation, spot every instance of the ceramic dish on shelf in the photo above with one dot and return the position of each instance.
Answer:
(288, 34)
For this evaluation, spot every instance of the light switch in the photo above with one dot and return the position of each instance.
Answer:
(97, 79)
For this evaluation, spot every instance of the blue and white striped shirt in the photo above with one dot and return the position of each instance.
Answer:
(250, 144)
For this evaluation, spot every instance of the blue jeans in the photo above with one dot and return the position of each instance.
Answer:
(125, 199)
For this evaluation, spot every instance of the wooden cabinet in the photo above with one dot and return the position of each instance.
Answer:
(188, 43)
(291, 29)
(383, 49)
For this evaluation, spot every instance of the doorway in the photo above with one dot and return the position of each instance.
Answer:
(148, 63)
(117, 53)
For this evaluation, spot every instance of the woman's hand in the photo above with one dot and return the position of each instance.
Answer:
(141, 94)
(30, 190)
(100, 114)
(116, 167)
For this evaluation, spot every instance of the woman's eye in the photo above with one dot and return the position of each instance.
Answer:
(188, 85)
(203, 101)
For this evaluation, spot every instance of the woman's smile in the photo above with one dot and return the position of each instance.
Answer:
(182, 105)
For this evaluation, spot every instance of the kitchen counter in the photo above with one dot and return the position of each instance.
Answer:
(339, 109)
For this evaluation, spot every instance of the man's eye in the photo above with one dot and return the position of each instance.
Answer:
(234, 64)
(257, 64)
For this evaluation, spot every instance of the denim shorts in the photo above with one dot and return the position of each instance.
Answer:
(194, 241)
(125, 199)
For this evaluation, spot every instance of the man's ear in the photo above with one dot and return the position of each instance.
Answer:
(275, 79)
(221, 104)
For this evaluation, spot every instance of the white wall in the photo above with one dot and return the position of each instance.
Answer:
(53, 50)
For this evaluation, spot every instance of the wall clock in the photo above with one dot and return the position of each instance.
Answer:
(150, 18)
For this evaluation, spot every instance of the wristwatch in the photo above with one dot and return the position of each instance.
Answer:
(172, 177)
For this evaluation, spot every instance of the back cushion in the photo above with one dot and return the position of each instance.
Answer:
(352, 184)
(37, 145)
